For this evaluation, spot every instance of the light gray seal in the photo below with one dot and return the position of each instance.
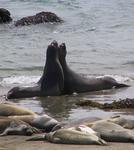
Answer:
(43, 122)
(10, 109)
(112, 132)
(10, 126)
(68, 136)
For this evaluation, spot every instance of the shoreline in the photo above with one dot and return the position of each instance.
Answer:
(19, 143)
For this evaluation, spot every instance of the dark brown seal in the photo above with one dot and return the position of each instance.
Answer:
(73, 82)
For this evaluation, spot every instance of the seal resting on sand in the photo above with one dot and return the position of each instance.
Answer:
(41, 17)
(43, 122)
(10, 126)
(9, 109)
(74, 82)
(52, 82)
(112, 132)
(70, 136)
(5, 16)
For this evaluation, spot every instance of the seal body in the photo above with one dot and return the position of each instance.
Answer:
(69, 136)
(43, 122)
(125, 123)
(10, 126)
(24, 92)
(112, 132)
(74, 82)
(52, 82)
(8, 109)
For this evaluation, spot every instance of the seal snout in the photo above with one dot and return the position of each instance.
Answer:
(54, 43)
(11, 93)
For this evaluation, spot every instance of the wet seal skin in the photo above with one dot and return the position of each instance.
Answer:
(52, 82)
(73, 82)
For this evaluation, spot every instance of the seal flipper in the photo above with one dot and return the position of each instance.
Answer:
(121, 85)
(37, 138)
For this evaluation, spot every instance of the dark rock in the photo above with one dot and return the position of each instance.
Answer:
(4, 16)
(42, 17)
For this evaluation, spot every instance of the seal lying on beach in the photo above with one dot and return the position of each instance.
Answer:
(52, 83)
(9, 109)
(10, 126)
(112, 132)
(68, 136)
(74, 82)
(41, 17)
(5, 16)
(125, 123)
(43, 122)
(120, 120)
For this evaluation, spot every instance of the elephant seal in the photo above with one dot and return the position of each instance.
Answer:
(10, 126)
(41, 17)
(9, 109)
(43, 122)
(51, 84)
(24, 92)
(68, 136)
(112, 132)
(74, 82)
(5, 16)
(53, 81)
(125, 123)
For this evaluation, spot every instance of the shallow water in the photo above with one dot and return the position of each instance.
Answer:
(100, 39)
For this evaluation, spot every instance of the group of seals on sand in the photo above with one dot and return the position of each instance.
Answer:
(41, 17)
(17, 120)
(58, 79)
(97, 132)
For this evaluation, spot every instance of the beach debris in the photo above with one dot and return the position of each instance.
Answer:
(120, 104)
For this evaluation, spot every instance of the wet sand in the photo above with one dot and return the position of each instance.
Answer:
(20, 143)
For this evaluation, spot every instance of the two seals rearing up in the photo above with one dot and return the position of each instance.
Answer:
(74, 82)
(52, 81)
(59, 79)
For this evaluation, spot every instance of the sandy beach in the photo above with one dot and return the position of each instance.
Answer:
(20, 143)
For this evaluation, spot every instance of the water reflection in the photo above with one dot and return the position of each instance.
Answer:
(64, 108)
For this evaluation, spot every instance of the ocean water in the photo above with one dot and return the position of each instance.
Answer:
(99, 36)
